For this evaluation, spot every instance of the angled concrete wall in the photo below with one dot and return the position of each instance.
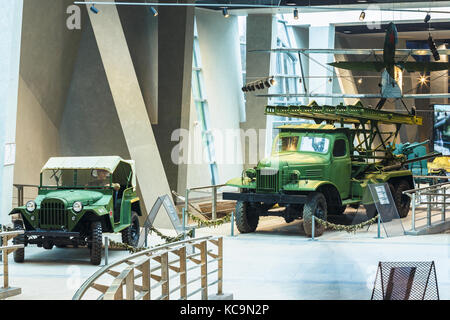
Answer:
(10, 30)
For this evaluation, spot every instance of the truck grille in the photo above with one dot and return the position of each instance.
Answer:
(267, 180)
(53, 215)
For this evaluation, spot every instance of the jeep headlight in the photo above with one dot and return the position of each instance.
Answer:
(77, 206)
(31, 206)
(251, 173)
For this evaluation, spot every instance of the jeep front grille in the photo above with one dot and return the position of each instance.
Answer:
(53, 215)
(267, 180)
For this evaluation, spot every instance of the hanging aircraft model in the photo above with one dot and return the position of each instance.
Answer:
(392, 65)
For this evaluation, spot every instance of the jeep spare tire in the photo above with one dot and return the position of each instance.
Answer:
(316, 205)
(131, 234)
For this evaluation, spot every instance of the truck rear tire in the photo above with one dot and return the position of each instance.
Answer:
(96, 242)
(131, 234)
(247, 218)
(316, 205)
(402, 201)
(19, 254)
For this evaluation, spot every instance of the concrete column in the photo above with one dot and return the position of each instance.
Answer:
(10, 35)
(321, 38)
(175, 45)
(261, 34)
(130, 107)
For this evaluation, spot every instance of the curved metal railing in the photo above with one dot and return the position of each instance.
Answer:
(167, 271)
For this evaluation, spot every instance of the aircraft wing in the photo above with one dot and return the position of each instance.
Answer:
(354, 96)
(359, 65)
(398, 52)
(424, 66)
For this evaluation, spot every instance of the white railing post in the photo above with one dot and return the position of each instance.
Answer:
(413, 221)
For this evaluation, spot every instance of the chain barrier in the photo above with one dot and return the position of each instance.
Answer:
(209, 223)
(341, 227)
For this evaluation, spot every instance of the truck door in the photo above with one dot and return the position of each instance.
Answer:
(341, 167)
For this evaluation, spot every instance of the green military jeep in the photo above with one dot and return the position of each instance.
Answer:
(313, 170)
(79, 198)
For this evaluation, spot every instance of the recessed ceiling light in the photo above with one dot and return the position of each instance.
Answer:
(362, 1)
(291, 3)
(347, 31)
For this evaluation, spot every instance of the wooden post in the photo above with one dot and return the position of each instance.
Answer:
(129, 282)
(145, 269)
(119, 293)
(5, 263)
(183, 273)
(165, 275)
(204, 270)
(220, 266)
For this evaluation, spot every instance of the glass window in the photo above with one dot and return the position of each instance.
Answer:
(340, 148)
(287, 144)
(315, 144)
(74, 178)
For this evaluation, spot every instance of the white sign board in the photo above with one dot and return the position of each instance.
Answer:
(10, 154)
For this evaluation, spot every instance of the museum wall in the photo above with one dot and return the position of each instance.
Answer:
(47, 60)
(222, 73)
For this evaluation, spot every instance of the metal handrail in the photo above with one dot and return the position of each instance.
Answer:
(213, 202)
(126, 277)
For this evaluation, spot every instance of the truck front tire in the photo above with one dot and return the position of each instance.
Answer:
(96, 242)
(247, 217)
(316, 205)
(402, 201)
(19, 254)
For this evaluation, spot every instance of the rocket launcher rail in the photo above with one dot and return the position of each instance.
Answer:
(341, 113)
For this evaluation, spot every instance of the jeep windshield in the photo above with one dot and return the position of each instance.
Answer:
(302, 143)
(76, 178)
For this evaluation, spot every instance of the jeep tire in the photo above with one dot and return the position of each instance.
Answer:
(19, 254)
(316, 205)
(131, 234)
(247, 217)
(96, 242)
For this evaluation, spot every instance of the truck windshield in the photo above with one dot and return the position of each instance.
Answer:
(314, 144)
(86, 178)
(287, 144)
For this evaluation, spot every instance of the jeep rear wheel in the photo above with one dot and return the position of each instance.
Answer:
(19, 254)
(316, 205)
(247, 217)
(96, 242)
(130, 235)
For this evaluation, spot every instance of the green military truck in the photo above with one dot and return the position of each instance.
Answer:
(321, 168)
(80, 198)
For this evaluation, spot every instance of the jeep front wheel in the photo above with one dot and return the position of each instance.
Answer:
(247, 217)
(130, 235)
(19, 254)
(96, 242)
(316, 205)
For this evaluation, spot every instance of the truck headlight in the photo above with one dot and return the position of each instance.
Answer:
(251, 173)
(295, 175)
(77, 206)
(31, 206)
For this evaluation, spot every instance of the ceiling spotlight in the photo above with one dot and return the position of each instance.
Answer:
(291, 3)
(362, 16)
(272, 81)
(153, 11)
(244, 89)
(252, 87)
(427, 18)
(261, 85)
(330, 80)
(296, 14)
(225, 12)
(94, 9)
(266, 83)
(360, 80)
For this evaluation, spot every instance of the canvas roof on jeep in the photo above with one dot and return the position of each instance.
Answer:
(108, 163)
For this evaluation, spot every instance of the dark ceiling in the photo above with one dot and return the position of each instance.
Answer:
(401, 27)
